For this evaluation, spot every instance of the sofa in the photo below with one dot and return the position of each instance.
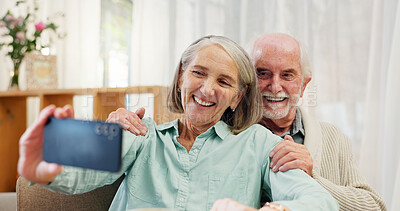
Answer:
(38, 198)
(8, 201)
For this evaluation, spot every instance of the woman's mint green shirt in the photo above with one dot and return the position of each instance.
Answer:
(161, 173)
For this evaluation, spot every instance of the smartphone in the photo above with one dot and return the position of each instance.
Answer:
(86, 144)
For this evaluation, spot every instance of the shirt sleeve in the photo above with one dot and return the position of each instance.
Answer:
(293, 188)
(298, 191)
(75, 180)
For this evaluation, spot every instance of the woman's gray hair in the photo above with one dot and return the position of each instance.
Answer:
(250, 109)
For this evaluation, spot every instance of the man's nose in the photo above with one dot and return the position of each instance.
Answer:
(275, 85)
(208, 88)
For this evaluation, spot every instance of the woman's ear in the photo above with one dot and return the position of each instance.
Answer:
(239, 97)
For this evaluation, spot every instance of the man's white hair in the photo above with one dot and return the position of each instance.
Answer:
(304, 58)
(304, 61)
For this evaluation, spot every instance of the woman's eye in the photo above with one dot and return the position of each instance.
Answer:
(197, 72)
(225, 83)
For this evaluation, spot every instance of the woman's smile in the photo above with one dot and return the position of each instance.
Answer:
(203, 102)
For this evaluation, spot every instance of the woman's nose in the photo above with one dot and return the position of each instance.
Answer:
(208, 88)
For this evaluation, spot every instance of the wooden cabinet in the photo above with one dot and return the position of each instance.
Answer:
(13, 116)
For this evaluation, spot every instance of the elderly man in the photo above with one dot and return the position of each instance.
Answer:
(320, 149)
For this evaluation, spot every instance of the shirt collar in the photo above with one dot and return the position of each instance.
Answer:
(220, 128)
(168, 125)
(297, 126)
(298, 123)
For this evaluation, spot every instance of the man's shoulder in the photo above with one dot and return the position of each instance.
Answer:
(330, 129)
(331, 135)
(309, 121)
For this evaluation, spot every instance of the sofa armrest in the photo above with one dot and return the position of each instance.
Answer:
(38, 198)
(8, 201)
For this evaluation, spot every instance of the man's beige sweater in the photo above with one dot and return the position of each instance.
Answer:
(334, 167)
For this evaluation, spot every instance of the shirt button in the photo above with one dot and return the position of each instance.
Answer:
(181, 199)
(195, 150)
(185, 174)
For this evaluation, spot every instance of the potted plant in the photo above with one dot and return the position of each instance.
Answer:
(21, 37)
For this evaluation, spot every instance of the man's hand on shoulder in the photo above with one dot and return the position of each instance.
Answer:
(129, 120)
(290, 155)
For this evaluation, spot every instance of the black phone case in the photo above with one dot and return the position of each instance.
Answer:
(87, 144)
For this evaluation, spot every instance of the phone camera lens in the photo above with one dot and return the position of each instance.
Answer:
(105, 130)
(97, 129)
(113, 130)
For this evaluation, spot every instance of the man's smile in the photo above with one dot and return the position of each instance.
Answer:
(274, 99)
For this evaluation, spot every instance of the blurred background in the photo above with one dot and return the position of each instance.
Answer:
(354, 47)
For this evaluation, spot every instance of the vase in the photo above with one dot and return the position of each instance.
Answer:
(14, 83)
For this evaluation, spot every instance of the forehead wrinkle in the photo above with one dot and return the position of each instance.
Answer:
(200, 67)
(223, 75)
(288, 58)
(222, 61)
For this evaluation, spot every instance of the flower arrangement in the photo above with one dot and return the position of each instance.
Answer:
(22, 37)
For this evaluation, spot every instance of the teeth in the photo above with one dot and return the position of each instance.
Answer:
(202, 102)
(275, 99)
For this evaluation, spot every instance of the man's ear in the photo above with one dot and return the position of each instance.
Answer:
(306, 81)
(239, 97)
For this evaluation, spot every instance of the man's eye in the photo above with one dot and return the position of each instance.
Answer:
(288, 76)
(262, 74)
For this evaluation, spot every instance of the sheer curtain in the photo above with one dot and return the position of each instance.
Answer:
(379, 153)
(79, 51)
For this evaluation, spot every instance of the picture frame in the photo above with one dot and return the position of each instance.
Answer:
(41, 71)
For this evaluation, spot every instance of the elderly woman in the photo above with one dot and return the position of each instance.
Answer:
(215, 151)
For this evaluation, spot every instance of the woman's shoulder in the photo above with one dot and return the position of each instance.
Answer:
(261, 135)
(260, 140)
(149, 122)
(258, 130)
(130, 137)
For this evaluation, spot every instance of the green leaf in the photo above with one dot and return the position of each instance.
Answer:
(51, 26)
